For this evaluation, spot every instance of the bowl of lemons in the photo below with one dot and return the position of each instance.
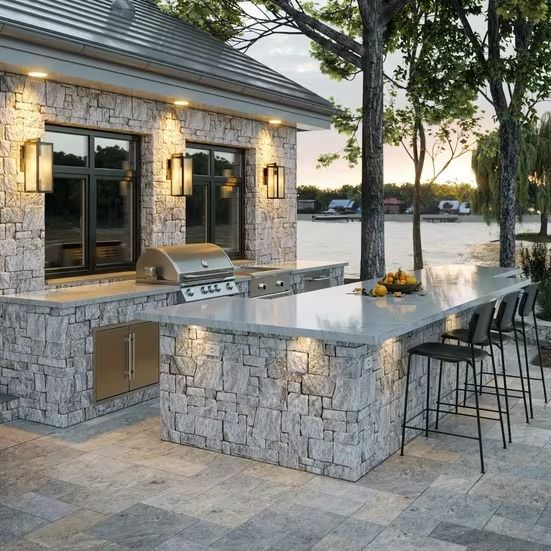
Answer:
(400, 282)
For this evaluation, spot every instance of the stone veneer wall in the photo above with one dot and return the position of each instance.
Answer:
(326, 407)
(47, 358)
(26, 105)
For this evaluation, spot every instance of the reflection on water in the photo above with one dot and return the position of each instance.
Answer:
(442, 243)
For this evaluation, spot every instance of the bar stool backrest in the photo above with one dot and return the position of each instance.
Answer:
(528, 300)
(479, 326)
(505, 317)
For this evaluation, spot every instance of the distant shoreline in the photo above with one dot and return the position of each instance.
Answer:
(408, 218)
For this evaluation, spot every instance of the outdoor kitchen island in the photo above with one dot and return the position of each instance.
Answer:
(312, 381)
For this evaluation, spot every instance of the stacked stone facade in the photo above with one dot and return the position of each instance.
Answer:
(27, 105)
(331, 408)
(47, 358)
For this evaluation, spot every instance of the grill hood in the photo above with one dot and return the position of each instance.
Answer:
(184, 264)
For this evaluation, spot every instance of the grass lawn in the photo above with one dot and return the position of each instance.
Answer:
(533, 237)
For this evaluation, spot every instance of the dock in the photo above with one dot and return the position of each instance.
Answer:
(442, 218)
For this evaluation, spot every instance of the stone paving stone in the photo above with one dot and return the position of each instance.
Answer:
(140, 527)
(203, 532)
(483, 540)
(56, 534)
(18, 523)
(41, 506)
(179, 543)
(21, 545)
(383, 508)
(392, 540)
(528, 514)
(545, 518)
(320, 500)
(528, 532)
(351, 534)
(514, 489)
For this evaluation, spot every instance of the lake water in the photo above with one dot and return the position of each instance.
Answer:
(450, 243)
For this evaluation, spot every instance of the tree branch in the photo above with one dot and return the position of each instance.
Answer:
(390, 9)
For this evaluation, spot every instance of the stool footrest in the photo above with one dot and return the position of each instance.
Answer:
(443, 432)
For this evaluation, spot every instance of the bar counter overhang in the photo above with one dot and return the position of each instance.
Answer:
(312, 381)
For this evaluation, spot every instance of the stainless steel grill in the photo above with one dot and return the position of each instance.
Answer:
(203, 270)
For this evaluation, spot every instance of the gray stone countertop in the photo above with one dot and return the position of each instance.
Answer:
(68, 297)
(292, 266)
(336, 314)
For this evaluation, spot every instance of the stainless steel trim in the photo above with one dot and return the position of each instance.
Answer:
(275, 295)
(133, 341)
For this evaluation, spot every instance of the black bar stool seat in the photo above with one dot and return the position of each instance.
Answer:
(449, 353)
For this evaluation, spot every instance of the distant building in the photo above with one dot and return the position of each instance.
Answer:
(343, 205)
(306, 205)
(393, 205)
(452, 206)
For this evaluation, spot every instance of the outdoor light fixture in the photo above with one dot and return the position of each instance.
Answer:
(274, 179)
(181, 172)
(181, 103)
(38, 166)
(275, 122)
(37, 74)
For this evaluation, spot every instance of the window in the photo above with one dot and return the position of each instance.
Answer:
(214, 213)
(91, 215)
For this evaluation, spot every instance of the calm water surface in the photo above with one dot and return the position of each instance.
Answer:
(442, 243)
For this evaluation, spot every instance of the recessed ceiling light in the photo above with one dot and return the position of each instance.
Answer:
(275, 122)
(181, 102)
(37, 74)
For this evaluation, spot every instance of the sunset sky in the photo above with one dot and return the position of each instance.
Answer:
(290, 55)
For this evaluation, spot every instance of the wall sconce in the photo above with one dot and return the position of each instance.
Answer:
(181, 175)
(38, 166)
(274, 178)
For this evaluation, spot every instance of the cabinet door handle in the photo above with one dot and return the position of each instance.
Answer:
(133, 337)
(128, 340)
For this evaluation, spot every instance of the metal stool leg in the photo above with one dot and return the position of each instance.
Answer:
(505, 390)
(428, 399)
(527, 364)
(521, 374)
(439, 394)
(478, 418)
(481, 384)
(497, 396)
(456, 387)
(404, 420)
(539, 358)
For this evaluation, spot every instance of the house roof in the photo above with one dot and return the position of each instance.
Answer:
(393, 201)
(139, 35)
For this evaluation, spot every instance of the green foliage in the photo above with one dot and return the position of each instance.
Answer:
(536, 265)
(224, 19)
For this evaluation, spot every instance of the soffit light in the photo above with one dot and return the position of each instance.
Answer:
(37, 74)
(181, 103)
(275, 122)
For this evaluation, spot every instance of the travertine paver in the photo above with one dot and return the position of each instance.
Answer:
(112, 485)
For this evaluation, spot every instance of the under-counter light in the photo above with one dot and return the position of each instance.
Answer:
(37, 74)
(181, 103)
(38, 166)
(275, 122)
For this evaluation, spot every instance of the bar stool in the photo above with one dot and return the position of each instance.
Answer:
(478, 332)
(503, 323)
(526, 308)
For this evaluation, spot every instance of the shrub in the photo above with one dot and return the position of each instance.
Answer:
(536, 265)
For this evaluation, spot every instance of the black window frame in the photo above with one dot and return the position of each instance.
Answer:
(90, 175)
(212, 181)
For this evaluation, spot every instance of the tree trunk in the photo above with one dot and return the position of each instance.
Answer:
(543, 222)
(373, 219)
(419, 159)
(509, 137)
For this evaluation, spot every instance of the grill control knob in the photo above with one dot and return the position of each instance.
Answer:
(280, 283)
(211, 290)
(262, 286)
(190, 292)
(217, 288)
(204, 290)
(229, 286)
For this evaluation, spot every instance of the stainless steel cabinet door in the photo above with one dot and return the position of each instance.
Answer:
(145, 354)
(111, 362)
